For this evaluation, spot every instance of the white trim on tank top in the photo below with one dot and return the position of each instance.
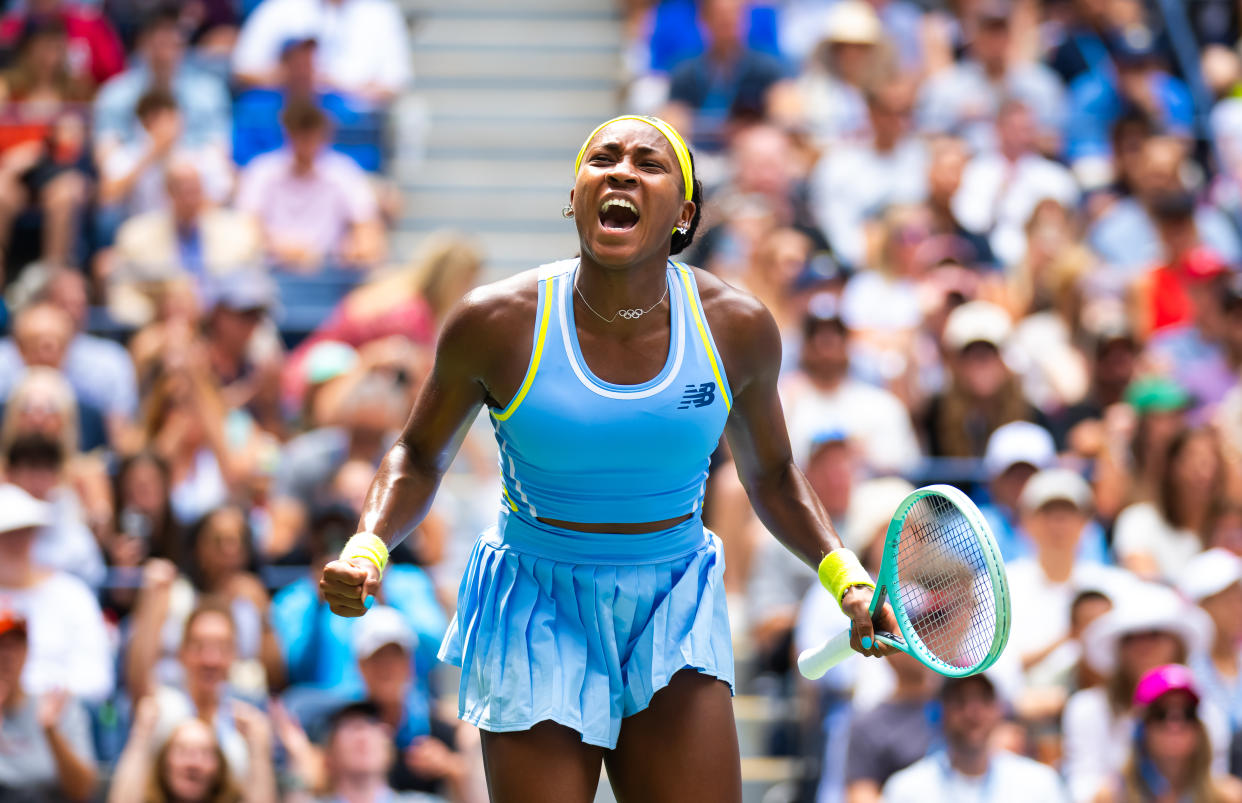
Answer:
(679, 343)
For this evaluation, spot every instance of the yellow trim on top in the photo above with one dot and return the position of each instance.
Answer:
(680, 148)
(548, 293)
(707, 343)
(509, 499)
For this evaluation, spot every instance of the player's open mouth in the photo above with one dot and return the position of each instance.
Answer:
(618, 214)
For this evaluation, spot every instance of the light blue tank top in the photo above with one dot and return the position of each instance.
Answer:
(576, 448)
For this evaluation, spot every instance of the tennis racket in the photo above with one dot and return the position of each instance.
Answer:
(941, 570)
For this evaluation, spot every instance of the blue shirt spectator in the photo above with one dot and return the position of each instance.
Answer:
(676, 35)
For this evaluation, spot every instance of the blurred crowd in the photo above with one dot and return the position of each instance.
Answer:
(1002, 242)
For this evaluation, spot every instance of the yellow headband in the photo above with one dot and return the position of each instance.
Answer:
(670, 133)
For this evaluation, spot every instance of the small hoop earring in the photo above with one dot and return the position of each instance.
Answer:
(567, 211)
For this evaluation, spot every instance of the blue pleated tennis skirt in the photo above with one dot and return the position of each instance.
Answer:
(584, 628)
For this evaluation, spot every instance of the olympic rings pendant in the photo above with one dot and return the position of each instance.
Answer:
(631, 314)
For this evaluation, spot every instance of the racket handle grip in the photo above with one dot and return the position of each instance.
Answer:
(814, 662)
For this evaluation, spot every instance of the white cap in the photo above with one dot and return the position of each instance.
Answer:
(1018, 442)
(977, 321)
(1209, 573)
(380, 626)
(1056, 484)
(852, 22)
(1144, 607)
(20, 511)
(872, 505)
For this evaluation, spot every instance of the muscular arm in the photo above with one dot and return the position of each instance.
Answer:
(750, 346)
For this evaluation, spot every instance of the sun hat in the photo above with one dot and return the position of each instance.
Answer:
(1144, 607)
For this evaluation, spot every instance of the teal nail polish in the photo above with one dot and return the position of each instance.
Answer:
(866, 642)
(369, 601)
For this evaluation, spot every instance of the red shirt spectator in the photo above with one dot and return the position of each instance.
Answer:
(1165, 300)
(94, 47)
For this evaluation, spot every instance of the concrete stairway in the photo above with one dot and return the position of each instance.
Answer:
(504, 91)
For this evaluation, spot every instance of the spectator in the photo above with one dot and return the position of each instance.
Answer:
(1113, 352)
(1098, 97)
(256, 113)
(1213, 581)
(983, 393)
(316, 643)
(188, 764)
(426, 744)
(1056, 514)
(1083, 44)
(1156, 539)
(143, 526)
(243, 349)
(96, 52)
(221, 567)
(728, 83)
(412, 302)
(207, 653)
(1125, 236)
(42, 80)
(1149, 626)
(857, 183)
(43, 403)
(314, 205)
(894, 734)
(201, 97)
(776, 262)
(1000, 189)
(1171, 752)
(48, 756)
(947, 160)
(830, 92)
(99, 370)
(1164, 296)
(36, 464)
(133, 179)
(363, 50)
(69, 648)
(189, 238)
(970, 768)
(823, 391)
(358, 757)
(965, 98)
(1015, 452)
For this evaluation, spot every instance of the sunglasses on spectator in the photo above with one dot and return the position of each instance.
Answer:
(1182, 714)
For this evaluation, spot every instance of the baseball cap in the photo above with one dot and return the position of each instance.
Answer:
(243, 290)
(381, 626)
(852, 22)
(1202, 264)
(976, 322)
(823, 308)
(329, 359)
(12, 621)
(1056, 485)
(1209, 573)
(992, 11)
(1018, 442)
(21, 511)
(294, 42)
(1136, 44)
(1162, 680)
(1156, 394)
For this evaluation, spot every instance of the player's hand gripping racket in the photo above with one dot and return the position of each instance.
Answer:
(943, 575)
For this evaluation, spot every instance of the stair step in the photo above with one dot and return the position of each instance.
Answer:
(527, 103)
(503, 175)
(499, 6)
(513, 64)
(503, 29)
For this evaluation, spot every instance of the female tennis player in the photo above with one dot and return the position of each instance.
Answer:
(591, 624)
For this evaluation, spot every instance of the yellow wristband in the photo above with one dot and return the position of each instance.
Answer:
(840, 570)
(369, 546)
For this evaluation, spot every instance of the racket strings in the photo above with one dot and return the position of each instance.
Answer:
(943, 584)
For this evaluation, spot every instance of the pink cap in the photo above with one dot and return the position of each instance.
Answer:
(1162, 680)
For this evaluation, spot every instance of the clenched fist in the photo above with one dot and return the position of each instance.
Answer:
(346, 584)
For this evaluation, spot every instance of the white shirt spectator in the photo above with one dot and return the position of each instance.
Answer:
(963, 99)
(149, 193)
(998, 196)
(69, 645)
(874, 419)
(1041, 612)
(316, 210)
(854, 184)
(1010, 779)
(362, 44)
(1141, 530)
(68, 545)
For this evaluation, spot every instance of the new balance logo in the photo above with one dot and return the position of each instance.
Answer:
(698, 395)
